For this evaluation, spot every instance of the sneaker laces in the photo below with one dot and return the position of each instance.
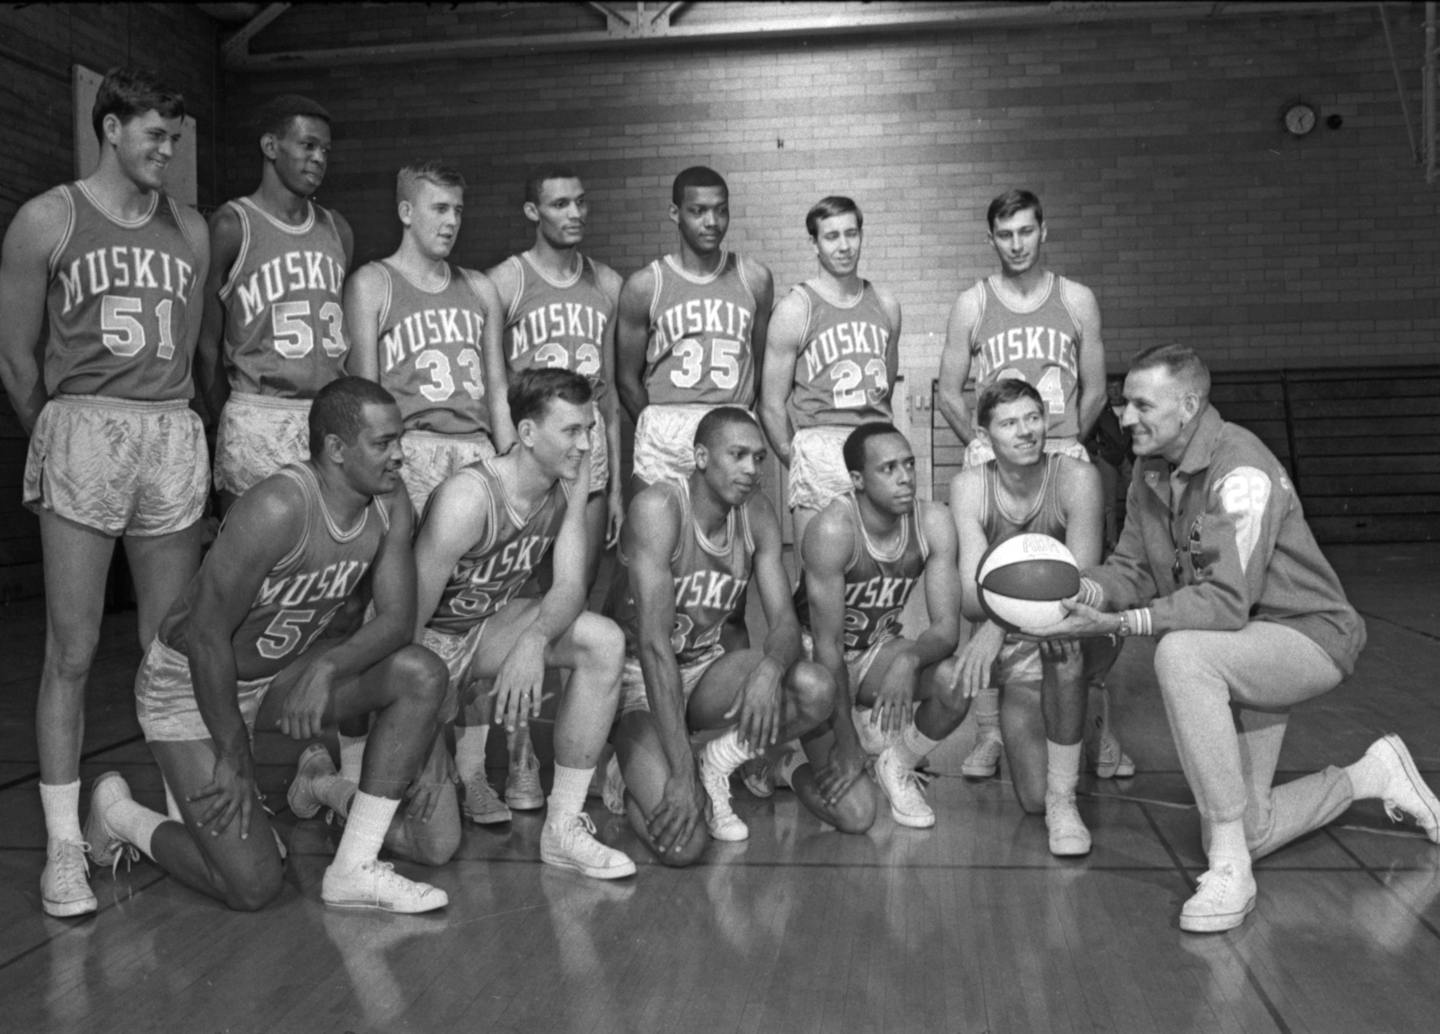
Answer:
(70, 877)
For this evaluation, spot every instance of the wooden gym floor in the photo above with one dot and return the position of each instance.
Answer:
(971, 926)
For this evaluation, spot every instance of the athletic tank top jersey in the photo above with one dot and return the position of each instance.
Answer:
(118, 302)
(430, 356)
(283, 316)
(494, 569)
(710, 577)
(303, 592)
(559, 324)
(699, 349)
(841, 377)
(1042, 346)
(877, 583)
(1044, 518)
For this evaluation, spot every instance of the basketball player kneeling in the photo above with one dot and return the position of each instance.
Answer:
(1042, 711)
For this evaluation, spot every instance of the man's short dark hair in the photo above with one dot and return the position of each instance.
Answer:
(1012, 201)
(276, 114)
(339, 409)
(833, 205)
(696, 176)
(539, 175)
(531, 391)
(1181, 362)
(1007, 389)
(855, 445)
(713, 424)
(130, 93)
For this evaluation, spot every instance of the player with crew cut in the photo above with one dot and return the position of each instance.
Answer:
(1025, 489)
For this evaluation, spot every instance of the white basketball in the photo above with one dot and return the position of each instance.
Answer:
(1022, 580)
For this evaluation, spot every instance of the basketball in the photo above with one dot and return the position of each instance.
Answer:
(1023, 578)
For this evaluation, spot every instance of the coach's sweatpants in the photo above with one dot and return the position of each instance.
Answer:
(1228, 696)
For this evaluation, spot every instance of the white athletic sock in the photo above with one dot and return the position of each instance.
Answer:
(1227, 844)
(913, 746)
(352, 755)
(1367, 777)
(61, 804)
(134, 823)
(365, 831)
(725, 753)
(987, 712)
(470, 749)
(1062, 768)
(567, 796)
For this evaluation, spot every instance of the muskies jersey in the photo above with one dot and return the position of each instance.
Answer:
(430, 357)
(841, 374)
(302, 593)
(710, 579)
(1040, 346)
(878, 582)
(284, 333)
(491, 571)
(699, 349)
(1045, 517)
(560, 324)
(118, 302)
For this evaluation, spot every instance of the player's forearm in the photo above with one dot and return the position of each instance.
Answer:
(782, 645)
(956, 413)
(212, 664)
(663, 691)
(633, 395)
(369, 644)
(934, 644)
(559, 608)
(776, 423)
(24, 387)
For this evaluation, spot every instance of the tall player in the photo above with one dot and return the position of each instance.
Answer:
(274, 295)
(831, 357)
(1029, 322)
(691, 547)
(692, 329)
(861, 558)
(429, 332)
(245, 647)
(488, 527)
(115, 270)
(1025, 489)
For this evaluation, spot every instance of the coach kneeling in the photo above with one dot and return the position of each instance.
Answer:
(1216, 559)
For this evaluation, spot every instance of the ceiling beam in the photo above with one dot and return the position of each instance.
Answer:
(237, 45)
(643, 28)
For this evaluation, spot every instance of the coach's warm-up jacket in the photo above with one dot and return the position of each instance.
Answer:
(1219, 542)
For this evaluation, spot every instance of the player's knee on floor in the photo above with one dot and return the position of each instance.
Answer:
(685, 855)
(254, 887)
(855, 812)
(945, 688)
(430, 843)
(813, 690)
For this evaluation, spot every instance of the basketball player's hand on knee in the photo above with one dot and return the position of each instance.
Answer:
(977, 659)
(758, 706)
(519, 681)
(303, 716)
(896, 699)
(230, 795)
(842, 768)
(674, 819)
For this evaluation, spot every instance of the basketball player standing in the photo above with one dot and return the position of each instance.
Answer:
(116, 270)
(274, 295)
(831, 358)
(1029, 322)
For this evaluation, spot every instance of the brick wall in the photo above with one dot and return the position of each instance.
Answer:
(38, 45)
(1170, 187)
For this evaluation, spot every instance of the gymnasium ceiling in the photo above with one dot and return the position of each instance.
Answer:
(256, 32)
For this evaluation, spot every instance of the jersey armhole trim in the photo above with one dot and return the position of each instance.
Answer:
(232, 279)
(53, 261)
